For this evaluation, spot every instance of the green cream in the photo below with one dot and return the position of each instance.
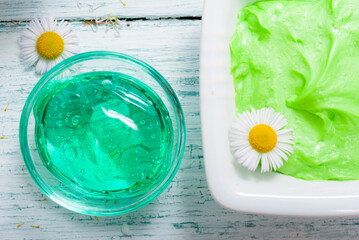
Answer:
(302, 59)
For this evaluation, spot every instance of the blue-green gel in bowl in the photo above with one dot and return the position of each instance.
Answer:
(102, 133)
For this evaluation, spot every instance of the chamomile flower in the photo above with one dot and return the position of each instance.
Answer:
(46, 42)
(260, 137)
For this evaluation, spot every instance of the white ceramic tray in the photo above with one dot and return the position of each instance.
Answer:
(232, 186)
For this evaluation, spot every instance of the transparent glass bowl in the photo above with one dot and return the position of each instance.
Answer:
(74, 197)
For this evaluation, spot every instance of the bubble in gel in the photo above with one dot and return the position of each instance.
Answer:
(75, 120)
(107, 83)
(70, 153)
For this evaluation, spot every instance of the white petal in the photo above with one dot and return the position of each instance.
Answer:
(255, 158)
(251, 158)
(265, 164)
(52, 23)
(260, 116)
(239, 153)
(26, 55)
(280, 153)
(238, 144)
(70, 38)
(37, 26)
(26, 42)
(263, 115)
(245, 159)
(267, 115)
(235, 131)
(72, 49)
(285, 138)
(275, 160)
(247, 118)
(31, 59)
(50, 64)
(243, 124)
(26, 47)
(270, 161)
(290, 142)
(27, 34)
(27, 52)
(284, 132)
(278, 160)
(258, 119)
(253, 117)
(240, 125)
(64, 29)
(278, 122)
(60, 24)
(41, 66)
(66, 54)
(58, 60)
(235, 136)
(274, 121)
(286, 148)
(45, 24)
(33, 27)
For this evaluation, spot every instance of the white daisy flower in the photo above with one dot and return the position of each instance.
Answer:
(46, 42)
(258, 137)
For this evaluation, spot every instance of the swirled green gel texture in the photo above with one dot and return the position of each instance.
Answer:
(302, 59)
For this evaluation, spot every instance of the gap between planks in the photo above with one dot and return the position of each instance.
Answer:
(185, 18)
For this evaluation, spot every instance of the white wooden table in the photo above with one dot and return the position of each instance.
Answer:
(165, 34)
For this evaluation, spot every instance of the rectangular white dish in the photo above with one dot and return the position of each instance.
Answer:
(236, 188)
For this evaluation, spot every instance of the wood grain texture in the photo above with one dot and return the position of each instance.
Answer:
(185, 210)
(24, 9)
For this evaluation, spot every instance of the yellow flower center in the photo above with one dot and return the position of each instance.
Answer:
(262, 138)
(50, 45)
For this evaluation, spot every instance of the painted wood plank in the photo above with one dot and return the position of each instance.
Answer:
(185, 210)
(27, 9)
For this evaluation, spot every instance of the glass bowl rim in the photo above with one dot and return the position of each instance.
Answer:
(94, 55)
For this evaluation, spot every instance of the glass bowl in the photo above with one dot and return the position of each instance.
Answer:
(102, 133)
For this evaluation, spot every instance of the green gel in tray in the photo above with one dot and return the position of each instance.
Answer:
(301, 57)
(104, 132)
